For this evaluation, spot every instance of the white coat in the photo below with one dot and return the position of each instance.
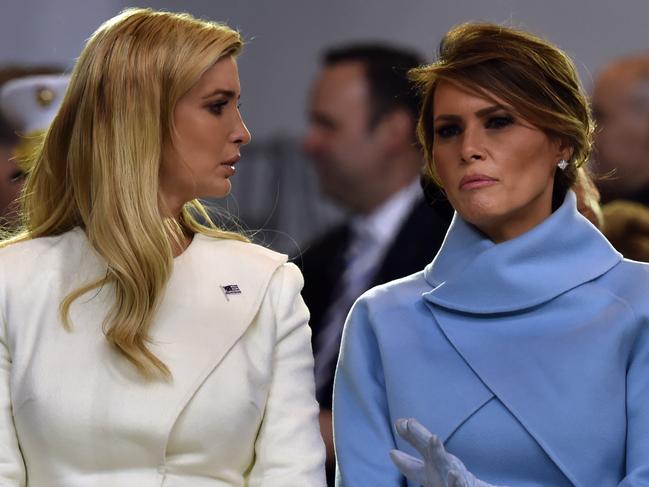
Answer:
(239, 411)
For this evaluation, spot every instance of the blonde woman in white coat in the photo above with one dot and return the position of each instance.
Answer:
(139, 347)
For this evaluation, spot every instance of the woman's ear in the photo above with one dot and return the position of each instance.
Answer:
(566, 150)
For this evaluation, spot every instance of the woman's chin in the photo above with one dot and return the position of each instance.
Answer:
(480, 212)
(221, 189)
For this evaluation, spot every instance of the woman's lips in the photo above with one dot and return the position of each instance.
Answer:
(229, 165)
(477, 181)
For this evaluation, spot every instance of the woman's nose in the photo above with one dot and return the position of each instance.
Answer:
(242, 135)
(472, 148)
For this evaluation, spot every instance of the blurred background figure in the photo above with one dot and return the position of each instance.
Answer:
(11, 174)
(11, 177)
(621, 109)
(627, 228)
(361, 138)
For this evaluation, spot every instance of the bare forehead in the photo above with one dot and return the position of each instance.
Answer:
(222, 75)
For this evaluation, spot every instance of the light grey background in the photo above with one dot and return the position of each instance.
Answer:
(286, 36)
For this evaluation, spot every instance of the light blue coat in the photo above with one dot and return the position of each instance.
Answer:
(529, 357)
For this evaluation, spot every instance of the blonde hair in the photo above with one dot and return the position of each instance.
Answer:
(99, 162)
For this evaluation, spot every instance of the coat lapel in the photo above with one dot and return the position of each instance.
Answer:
(448, 402)
(194, 330)
(540, 366)
(220, 315)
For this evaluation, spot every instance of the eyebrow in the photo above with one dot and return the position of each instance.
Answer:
(480, 113)
(226, 93)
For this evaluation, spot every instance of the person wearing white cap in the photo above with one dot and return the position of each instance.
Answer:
(139, 346)
(27, 104)
(30, 103)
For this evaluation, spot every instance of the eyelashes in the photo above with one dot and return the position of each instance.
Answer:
(217, 107)
(499, 122)
(446, 131)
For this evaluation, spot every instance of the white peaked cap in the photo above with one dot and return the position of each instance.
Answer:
(31, 102)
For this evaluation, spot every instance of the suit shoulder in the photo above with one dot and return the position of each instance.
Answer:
(33, 251)
(399, 292)
(239, 253)
(628, 281)
(628, 265)
(384, 308)
(629, 271)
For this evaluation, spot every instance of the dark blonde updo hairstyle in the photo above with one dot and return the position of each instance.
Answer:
(535, 77)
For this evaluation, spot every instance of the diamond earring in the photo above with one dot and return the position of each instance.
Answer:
(562, 164)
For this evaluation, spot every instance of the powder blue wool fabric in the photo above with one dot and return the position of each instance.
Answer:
(529, 359)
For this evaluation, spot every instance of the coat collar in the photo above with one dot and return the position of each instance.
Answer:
(472, 274)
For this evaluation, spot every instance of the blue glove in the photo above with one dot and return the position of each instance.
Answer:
(438, 468)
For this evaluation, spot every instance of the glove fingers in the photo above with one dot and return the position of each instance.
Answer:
(414, 433)
(436, 454)
(455, 479)
(411, 467)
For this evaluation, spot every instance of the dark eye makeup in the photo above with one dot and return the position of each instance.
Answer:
(448, 130)
(498, 122)
(493, 122)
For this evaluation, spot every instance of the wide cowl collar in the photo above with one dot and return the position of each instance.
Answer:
(472, 274)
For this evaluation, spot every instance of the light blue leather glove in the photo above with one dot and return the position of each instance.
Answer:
(438, 468)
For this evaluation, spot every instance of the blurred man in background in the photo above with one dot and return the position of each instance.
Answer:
(621, 108)
(621, 156)
(362, 118)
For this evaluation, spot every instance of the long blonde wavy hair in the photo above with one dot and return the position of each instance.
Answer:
(98, 165)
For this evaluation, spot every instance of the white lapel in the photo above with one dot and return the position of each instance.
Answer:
(213, 296)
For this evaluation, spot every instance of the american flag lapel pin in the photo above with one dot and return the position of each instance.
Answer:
(229, 290)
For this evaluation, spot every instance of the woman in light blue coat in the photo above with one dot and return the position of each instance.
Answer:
(524, 345)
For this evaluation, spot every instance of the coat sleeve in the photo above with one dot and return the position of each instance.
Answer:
(637, 407)
(363, 434)
(12, 467)
(289, 450)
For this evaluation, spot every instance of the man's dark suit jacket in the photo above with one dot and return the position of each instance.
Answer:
(419, 238)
